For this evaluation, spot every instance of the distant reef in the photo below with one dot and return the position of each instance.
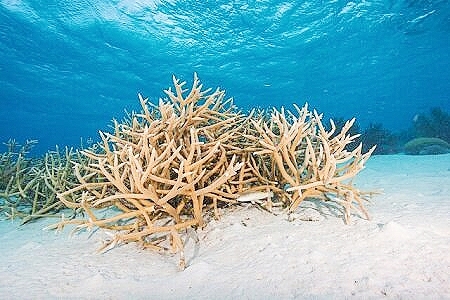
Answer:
(436, 124)
(426, 146)
(429, 134)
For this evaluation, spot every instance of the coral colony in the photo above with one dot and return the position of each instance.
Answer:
(169, 167)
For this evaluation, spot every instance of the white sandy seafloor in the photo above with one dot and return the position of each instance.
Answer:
(402, 253)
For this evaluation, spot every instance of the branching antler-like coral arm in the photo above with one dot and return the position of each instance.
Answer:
(28, 186)
(161, 169)
(308, 161)
(164, 168)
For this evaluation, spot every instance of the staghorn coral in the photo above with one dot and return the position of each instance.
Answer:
(309, 161)
(161, 168)
(164, 169)
(28, 186)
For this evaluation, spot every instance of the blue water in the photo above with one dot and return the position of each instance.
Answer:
(68, 67)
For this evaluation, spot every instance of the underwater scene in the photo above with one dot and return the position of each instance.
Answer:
(214, 149)
(68, 68)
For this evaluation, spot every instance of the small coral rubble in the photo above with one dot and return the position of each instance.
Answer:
(165, 168)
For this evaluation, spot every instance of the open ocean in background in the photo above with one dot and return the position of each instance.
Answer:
(68, 67)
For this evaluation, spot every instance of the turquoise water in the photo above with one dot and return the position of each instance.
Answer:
(68, 67)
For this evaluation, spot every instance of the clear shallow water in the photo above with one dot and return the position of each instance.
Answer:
(68, 67)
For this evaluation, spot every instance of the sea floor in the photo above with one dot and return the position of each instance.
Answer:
(401, 253)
